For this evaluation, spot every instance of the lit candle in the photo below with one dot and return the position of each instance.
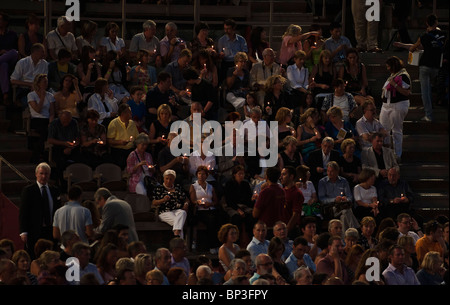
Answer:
(154, 50)
(315, 43)
(202, 201)
(131, 138)
(163, 137)
(204, 66)
(342, 193)
(73, 142)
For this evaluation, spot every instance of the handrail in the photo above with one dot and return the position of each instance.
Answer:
(2, 159)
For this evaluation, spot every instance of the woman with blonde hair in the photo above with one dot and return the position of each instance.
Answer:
(238, 81)
(289, 156)
(322, 75)
(349, 162)
(292, 42)
(432, 271)
(284, 119)
(160, 128)
(339, 129)
(142, 265)
(275, 96)
(407, 242)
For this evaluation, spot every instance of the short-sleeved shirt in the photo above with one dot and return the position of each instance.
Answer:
(45, 110)
(26, 70)
(138, 42)
(63, 133)
(73, 216)
(293, 203)
(270, 203)
(117, 46)
(433, 45)
(57, 42)
(118, 131)
(332, 45)
(178, 80)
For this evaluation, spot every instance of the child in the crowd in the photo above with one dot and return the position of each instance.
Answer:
(138, 108)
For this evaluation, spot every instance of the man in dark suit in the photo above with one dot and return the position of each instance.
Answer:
(39, 201)
(318, 159)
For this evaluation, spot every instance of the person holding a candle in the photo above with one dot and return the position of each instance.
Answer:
(94, 149)
(366, 198)
(395, 194)
(172, 202)
(139, 165)
(228, 46)
(334, 191)
(204, 198)
(120, 135)
(238, 81)
(63, 134)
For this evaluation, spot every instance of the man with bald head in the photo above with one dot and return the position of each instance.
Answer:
(264, 265)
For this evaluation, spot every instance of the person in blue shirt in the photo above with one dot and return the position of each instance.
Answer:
(258, 244)
(228, 46)
(138, 107)
(299, 256)
(337, 44)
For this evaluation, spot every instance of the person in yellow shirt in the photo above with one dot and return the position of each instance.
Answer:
(432, 241)
(122, 132)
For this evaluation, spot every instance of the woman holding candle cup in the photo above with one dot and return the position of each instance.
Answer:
(139, 165)
(204, 198)
(366, 195)
(172, 202)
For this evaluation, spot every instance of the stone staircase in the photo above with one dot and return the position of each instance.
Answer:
(425, 159)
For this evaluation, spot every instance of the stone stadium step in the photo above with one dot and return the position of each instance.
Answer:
(431, 200)
(426, 142)
(412, 156)
(425, 128)
(410, 171)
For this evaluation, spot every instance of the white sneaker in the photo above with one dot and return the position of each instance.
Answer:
(426, 119)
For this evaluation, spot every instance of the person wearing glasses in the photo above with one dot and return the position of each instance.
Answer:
(264, 265)
(405, 223)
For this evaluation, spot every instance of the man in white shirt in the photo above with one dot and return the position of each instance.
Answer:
(404, 223)
(61, 38)
(26, 70)
(367, 125)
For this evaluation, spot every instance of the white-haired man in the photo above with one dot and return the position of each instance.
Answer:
(61, 38)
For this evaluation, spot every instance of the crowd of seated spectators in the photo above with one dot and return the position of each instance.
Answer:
(99, 101)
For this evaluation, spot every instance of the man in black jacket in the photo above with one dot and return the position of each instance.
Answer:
(318, 159)
(39, 201)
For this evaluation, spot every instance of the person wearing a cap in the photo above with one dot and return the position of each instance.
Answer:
(172, 202)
